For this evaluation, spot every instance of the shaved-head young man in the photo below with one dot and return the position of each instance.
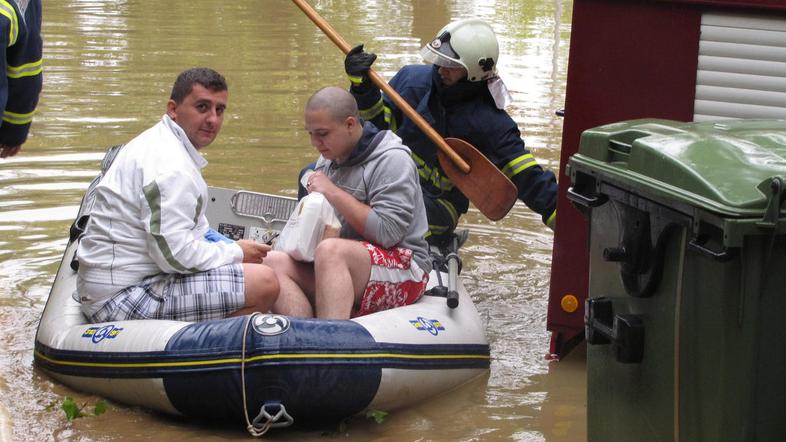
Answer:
(380, 259)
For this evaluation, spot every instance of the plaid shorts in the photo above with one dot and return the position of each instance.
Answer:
(202, 296)
(394, 281)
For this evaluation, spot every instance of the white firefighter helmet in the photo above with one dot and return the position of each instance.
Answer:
(468, 43)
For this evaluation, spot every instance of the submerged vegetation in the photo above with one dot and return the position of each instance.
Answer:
(73, 410)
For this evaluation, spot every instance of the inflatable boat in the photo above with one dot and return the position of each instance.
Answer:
(265, 369)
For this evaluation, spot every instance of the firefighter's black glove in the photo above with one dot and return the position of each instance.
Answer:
(357, 63)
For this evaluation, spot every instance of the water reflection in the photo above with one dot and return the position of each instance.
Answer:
(109, 65)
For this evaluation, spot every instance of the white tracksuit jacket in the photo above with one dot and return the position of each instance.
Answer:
(149, 215)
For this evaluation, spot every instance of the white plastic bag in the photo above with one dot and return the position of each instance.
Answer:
(312, 220)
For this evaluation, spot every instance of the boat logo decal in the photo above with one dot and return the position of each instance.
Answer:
(269, 325)
(432, 326)
(98, 334)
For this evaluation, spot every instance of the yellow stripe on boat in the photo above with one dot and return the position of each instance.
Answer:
(260, 358)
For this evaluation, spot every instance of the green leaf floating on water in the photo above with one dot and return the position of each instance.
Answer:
(377, 415)
(71, 409)
(100, 408)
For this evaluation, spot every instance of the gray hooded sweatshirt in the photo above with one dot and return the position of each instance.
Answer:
(381, 174)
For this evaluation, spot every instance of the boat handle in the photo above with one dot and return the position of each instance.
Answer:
(453, 270)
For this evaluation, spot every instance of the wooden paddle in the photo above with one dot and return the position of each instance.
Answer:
(477, 177)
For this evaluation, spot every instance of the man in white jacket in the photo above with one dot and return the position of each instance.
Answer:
(143, 255)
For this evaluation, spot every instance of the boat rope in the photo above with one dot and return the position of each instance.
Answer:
(264, 420)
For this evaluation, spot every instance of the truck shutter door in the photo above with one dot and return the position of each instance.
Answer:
(742, 67)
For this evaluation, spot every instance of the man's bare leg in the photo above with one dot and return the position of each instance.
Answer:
(296, 280)
(342, 268)
(261, 288)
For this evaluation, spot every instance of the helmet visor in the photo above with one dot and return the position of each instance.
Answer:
(441, 54)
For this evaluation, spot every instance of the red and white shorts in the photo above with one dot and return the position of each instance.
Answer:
(395, 280)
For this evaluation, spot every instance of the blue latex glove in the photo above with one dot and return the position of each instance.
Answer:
(213, 236)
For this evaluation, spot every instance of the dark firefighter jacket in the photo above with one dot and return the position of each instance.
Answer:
(465, 111)
(20, 40)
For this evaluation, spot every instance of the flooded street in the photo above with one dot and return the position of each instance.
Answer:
(108, 70)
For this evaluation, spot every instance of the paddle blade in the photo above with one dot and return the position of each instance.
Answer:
(488, 188)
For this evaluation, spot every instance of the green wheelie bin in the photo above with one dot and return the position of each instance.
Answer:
(685, 318)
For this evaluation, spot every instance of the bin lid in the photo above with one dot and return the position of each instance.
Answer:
(725, 167)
